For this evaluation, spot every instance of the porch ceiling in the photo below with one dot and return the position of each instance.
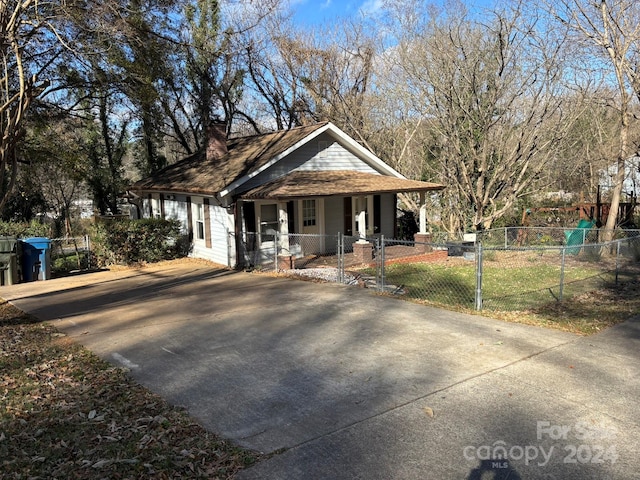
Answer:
(304, 183)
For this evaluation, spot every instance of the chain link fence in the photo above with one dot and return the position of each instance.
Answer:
(506, 270)
(70, 254)
(514, 278)
(439, 273)
(551, 236)
(526, 268)
(529, 278)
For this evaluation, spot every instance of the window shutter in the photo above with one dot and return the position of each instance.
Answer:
(189, 219)
(207, 223)
(348, 216)
(377, 223)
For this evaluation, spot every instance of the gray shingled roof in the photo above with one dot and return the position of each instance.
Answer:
(305, 183)
(209, 176)
(197, 174)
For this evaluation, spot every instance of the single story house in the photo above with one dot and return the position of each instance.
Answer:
(237, 194)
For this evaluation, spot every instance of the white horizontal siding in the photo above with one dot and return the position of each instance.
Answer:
(333, 157)
(221, 231)
(222, 249)
(176, 209)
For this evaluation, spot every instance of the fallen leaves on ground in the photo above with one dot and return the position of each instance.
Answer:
(586, 313)
(66, 414)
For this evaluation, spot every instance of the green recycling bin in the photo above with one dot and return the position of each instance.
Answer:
(36, 259)
(9, 249)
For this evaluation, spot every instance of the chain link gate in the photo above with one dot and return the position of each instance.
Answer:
(379, 253)
(340, 254)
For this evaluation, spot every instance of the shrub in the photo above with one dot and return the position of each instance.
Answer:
(407, 225)
(126, 242)
(24, 230)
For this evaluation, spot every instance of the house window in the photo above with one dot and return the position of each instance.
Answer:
(155, 208)
(269, 219)
(199, 221)
(308, 213)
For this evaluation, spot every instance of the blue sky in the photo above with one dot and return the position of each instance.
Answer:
(319, 11)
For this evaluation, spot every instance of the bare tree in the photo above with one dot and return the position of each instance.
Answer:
(309, 76)
(585, 151)
(273, 69)
(25, 35)
(491, 95)
(609, 30)
(337, 78)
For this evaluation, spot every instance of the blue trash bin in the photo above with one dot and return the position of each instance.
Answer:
(36, 259)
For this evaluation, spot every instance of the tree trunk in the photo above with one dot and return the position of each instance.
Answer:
(616, 194)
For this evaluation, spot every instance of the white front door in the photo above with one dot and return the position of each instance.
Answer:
(311, 213)
(268, 222)
(310, 221)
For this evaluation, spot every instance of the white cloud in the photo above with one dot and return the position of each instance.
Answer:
(326, 4)
(295, 3)
(371, 7)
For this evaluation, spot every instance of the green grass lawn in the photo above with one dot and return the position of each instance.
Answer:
(438, 284)
(525, 290)
(504, 288)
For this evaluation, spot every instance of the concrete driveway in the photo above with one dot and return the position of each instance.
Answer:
(344, 384)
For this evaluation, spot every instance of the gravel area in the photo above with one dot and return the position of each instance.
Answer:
(324, 274)
(328, 274)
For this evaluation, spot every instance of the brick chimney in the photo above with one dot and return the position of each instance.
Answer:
(216, 140)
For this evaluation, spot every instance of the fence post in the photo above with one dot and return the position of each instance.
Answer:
(340, 247)
(381, 240)
(617, 259)
(479, 276)
(506, 237)
(564, 249)
(276, 240)
(87, 246)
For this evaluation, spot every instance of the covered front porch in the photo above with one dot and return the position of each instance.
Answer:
(292, 220)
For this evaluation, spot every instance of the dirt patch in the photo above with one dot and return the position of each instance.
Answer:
(168, 263)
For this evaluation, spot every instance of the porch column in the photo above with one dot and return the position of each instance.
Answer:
(361, 209)
(285, 260)
(423, 237)
(423, 213)
(362, 249)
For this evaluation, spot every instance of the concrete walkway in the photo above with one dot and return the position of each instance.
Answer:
(344, 384)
